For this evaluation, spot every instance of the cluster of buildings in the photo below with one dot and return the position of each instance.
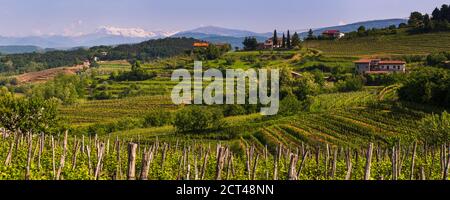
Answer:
(377, 66)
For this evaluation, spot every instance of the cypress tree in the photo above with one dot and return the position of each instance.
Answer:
(275, 38)
(310, 34)
(283, 44)
(295, 40)
(288, 42)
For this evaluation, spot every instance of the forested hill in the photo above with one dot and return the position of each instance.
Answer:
(160, 48)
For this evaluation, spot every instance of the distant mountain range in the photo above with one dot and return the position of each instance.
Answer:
(108, 35)
(103, 36)
(19, 49)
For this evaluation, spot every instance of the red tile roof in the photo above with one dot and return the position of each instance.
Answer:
(363, 61)
(395, 62)
(386, 62)
(331, 32)
(201, 44)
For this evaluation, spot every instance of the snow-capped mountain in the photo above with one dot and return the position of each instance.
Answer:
(132, 32)
(104, 35)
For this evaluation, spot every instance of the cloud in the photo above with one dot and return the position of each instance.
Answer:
(74, 29)
(342, 22)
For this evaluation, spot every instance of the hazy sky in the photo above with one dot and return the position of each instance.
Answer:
(36, 17)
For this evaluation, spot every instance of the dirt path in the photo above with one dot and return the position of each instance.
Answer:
(48, 74)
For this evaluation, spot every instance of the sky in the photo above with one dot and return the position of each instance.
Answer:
(75, 17)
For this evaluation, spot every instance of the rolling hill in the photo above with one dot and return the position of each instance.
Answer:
(19, 49)
(398, 44)
(354, 26)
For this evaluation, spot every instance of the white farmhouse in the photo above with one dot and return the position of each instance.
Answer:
(377, 66)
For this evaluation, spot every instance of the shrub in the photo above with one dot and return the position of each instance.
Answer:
(427, 86)
(67, 88)
(234, 110)
(198, 119)
(136, 74)
(290, 105)
(350, 84)
(158, 117)
(436, 59)
(33, 115)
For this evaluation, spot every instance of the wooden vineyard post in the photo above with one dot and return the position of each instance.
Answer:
(327, 158)
(11, 148)
(355, 175)
(100, 154)
(118, 166)
(63, 157)
(205, 162)
(41, 149)
(187, 164)
(292, 175)
(146, 160)
(82, 144)
(394, 164)
(255, 165)
(88, 151)
(333, 169)
(275, 163)
(131, 174)
(75, 153)
(447, 164)
(368, 162)
(302, 164)
(411, 177)
(53, 157)
(220, 162)
(422, 173)
(348, 159)
(30, 150)
(230, 159)
(163, 156)
(196, 166)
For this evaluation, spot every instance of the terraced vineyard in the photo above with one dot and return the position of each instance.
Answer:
(399, 44)
(89, 112)
(346, 127)
(63, 157)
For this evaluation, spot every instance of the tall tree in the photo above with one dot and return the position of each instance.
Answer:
(427, 25)
(310, 34)
(275, 38)
(445, 12)
(295, 40)
(415, 19)
(362, 31)
(288, 40)
(283, 44)
(436, 14)
(250, 43)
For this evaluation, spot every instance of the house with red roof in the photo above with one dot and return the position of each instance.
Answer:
(377, 66)
(333, 34)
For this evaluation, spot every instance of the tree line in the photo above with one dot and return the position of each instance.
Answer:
(145, 51)
(287, 42)
(438, 21)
